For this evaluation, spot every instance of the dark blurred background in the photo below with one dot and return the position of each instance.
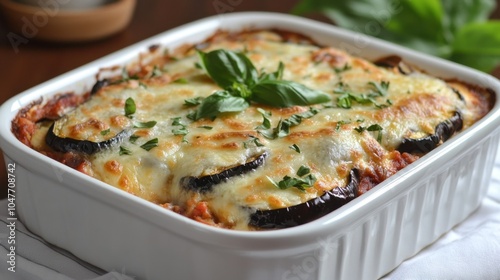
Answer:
(37, 61)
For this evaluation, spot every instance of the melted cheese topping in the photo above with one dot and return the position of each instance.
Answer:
(331, 142)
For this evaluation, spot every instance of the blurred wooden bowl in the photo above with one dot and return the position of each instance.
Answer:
(54, 23)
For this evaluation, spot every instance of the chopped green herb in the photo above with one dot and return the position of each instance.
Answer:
(133, 138)
(266, 122)
(150, 144)
(177, 121)
(341, 123)
(300, 183)
(342, 69)
(295, 148)
(156, 71)
(193, 101)
(303, 170)
(129, 107)
(124, 151)
(283, 127)
(149, 124)
(182, 130)
(104, 132)
(254, 140)
(207, 127)
(181, 81)
(373, 127)
(380, 89)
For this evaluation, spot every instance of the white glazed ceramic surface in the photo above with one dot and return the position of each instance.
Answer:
(364, 239)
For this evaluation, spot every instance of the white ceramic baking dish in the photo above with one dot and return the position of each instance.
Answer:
(364, 239)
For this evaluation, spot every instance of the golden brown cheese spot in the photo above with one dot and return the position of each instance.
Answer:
(92, 126)
(119, 121)
(367, 67)
(333, 57)
(288, 111)
(298, 66)
(343, 169)
(116, 102)
(275, 202)
(422, 106)
(236, 124)
(230, 146)
(323, 77)
(373, 148)
(113, 167)
(124, 183)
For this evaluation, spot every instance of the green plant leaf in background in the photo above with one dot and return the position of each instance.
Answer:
(453, 29)
(478, 45)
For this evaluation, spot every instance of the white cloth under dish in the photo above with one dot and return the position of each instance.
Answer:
(471, 250)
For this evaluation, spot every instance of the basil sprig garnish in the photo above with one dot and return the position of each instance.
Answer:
(242, 84)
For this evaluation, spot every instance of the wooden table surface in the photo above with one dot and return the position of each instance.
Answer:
(37, 62)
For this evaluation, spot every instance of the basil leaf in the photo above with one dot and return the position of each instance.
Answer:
(359, 15)
(227, 67)
(478, 45)
(280, 93)
(149, 124)
(129, 107)
(459, 13)
(422, 19)
(266, 122)
(219, 102)
(278, 75)
(150, 144)
(193, 101)
(429, 26)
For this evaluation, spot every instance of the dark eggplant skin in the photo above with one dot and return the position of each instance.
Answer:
(393, 61)
(205, 183)
(98, 85)
(309, 210)
(457, 92)
(65, 144)
(443, 132)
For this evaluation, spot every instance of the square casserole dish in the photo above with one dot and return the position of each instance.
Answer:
(364, 239)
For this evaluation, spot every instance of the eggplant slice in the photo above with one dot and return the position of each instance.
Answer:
(443, 132)
(309, 210)
(205, 183)
(393, 61)
(98, 85)
(66, 144)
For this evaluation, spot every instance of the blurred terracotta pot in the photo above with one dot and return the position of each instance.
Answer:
(63, 21)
